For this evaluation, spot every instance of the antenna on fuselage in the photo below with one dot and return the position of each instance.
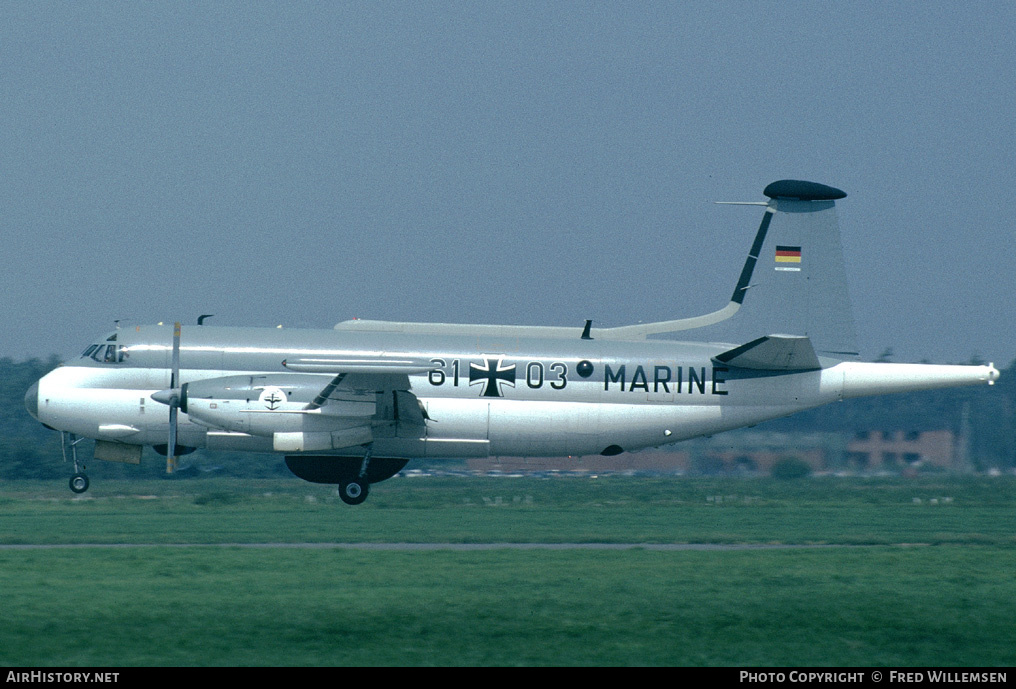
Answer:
(201, 319)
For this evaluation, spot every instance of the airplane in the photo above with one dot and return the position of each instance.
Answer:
(352, 405)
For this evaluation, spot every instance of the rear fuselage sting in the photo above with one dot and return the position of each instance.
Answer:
(483, 396)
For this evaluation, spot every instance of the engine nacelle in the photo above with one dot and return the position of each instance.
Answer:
(275, 404)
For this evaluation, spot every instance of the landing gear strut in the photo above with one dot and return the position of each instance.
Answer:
(79, 481)
(355, 491)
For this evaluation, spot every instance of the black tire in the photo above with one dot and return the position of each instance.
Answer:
(79, 483)
(354, 492)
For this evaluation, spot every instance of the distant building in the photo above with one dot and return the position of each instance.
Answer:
(893, 450)
(669, 461)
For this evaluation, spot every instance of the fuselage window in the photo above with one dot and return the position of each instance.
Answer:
(89, 351)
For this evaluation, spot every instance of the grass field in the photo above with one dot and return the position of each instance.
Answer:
(947, 597)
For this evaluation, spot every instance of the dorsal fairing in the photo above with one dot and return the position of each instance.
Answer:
(793, 281)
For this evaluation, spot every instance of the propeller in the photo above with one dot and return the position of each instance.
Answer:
(174, 385)
(171, 397)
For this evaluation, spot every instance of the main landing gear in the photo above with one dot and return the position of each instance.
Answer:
(79, 481)
(352, 475)
(355, 491)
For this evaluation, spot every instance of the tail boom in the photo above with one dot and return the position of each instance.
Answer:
(859, 379)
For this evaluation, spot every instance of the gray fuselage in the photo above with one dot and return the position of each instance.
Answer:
(504, 395)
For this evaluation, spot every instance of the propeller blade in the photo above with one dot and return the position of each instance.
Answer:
(175, 373)
(171, 448)
(174, 384)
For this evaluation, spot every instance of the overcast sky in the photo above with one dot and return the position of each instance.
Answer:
(511, 162)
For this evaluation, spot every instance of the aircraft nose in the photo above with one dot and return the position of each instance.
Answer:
(32, 401)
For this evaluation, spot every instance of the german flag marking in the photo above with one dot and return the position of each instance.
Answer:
(788, 254)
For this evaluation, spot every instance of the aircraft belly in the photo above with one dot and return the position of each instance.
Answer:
(457, 418)
(237, 442)
(457, 428)
(553, 429)
(84, 412)
(545, 428)
(268, 424)
(116, 415)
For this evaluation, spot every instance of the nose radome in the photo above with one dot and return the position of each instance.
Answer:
(32, 401)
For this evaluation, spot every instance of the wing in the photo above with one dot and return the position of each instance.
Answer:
(387, 378)
(361, 399)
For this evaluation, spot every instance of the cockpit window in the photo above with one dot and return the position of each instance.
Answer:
(106, 353)
(109, 354)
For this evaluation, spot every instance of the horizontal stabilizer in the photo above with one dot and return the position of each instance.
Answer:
(773, 353)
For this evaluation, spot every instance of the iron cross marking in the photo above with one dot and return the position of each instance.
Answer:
(492, 374)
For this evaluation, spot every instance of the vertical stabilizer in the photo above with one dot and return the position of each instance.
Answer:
(795, 281)
(802, 271)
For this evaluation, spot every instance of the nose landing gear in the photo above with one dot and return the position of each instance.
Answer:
(79, 481)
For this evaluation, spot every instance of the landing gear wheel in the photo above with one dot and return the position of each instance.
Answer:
(79, 483)
(354, 492)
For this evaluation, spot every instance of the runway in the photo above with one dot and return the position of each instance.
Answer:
(446, 546)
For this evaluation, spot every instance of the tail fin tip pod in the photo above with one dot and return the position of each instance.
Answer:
(803, 191)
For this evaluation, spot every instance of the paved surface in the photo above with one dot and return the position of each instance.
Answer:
(440, 546)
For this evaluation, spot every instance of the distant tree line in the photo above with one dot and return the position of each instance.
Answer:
(986, 415)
